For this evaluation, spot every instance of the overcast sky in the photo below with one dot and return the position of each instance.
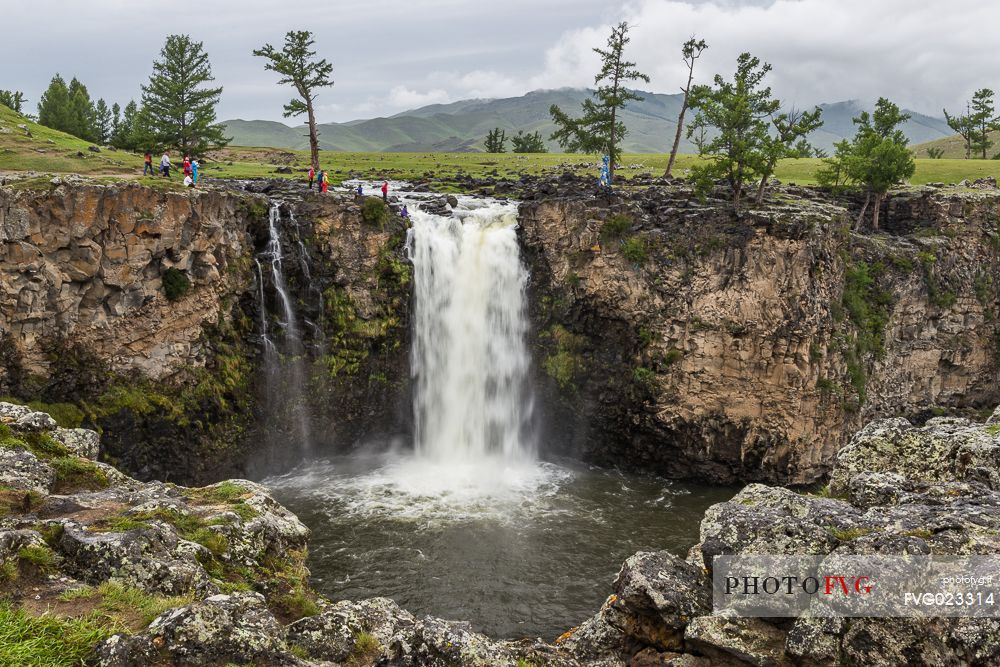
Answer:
(391, 55)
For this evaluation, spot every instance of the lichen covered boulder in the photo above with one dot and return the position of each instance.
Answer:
(218, 630)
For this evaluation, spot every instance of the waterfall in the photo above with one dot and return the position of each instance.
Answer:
(469, 357)
(284, 363)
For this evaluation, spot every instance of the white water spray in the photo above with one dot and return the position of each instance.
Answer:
(469, 359)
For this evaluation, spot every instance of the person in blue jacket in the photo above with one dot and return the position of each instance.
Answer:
(194, 172)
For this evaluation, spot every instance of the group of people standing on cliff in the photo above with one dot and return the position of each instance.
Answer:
(322, 181)
(190, 168)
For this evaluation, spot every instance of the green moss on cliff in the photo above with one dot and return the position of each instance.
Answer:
(565, 363)
(867, 304)
(351, 338)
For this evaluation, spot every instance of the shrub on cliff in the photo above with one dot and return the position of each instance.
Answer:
(616, 227)
(175, 284)
(374, 212)
(634, 249)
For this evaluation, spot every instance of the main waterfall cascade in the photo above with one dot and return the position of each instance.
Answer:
(469, 357)
(468, 520)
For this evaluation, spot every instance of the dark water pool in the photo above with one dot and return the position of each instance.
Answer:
(517, 549)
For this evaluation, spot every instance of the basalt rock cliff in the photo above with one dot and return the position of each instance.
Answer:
(140, 307)
(676, 337)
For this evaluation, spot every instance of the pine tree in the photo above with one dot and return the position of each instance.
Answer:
(691, 51)
(297, 65)
(984, 120)
(102, 121)
(116, 119)
(53, 106)
(179, 107)
(82, 114)
(13, 99)
(528, 143)
(740, 112)
(133, 131)
(495, 140)
(599, 129)
(876, 159)
(963, 126)
(787, 140)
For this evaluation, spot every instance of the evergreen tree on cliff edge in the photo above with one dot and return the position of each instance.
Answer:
(599, 128)
(297, 65)
(179, 108)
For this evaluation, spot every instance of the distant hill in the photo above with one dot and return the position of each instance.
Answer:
(462, 126)
(954, 146)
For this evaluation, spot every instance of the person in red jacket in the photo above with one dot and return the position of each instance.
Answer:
(312, 177)
(187, 165)
(385, 191)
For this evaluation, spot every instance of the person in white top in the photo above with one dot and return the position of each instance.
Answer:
(165, 164)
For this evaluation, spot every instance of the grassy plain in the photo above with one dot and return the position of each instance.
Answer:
(51, 151)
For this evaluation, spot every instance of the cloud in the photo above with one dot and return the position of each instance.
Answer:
(401, 96)
(390, 55)
(922, 55)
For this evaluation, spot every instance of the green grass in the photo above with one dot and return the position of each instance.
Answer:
(39, 557)
(848, 534)
(366, 649)
(52, 151)
(993, 430)
(76, 474)
(119, 602)
(66, 415)
(954, 147)
(49, 641)
(21, 153)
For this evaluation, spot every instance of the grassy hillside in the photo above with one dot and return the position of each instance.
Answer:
(954, 146)
(53, 151)
(462, 126)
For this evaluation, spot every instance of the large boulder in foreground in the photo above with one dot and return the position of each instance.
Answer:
(219, 630)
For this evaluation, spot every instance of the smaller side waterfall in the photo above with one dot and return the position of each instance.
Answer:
(286, 404)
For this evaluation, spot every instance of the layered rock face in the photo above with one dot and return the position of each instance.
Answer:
(145, 305)
(700, 344)
(86, 263)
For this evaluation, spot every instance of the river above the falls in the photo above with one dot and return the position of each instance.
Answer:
(517, 550)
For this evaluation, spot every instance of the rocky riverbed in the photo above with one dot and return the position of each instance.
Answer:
(216, 575)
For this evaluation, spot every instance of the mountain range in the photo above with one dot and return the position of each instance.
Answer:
(462, 126)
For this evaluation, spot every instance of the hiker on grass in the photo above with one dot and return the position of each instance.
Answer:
(194, 173)
(165, 164)
(312, 176)
(385, 191)
(187, 166)
(147, 165)
(326, 183)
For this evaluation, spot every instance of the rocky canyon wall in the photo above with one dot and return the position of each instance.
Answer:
(676, 337)
(141, 306)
